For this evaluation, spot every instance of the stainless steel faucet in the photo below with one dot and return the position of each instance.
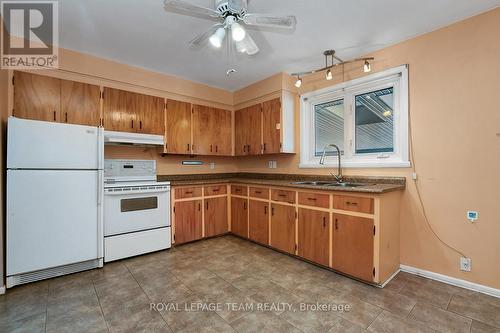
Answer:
(338, 176)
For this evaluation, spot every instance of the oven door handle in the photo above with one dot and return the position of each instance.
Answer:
(136, 192)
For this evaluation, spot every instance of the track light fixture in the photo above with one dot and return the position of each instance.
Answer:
(335, 61)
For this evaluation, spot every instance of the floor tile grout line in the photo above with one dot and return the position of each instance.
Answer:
(150, 300)
(100, 306)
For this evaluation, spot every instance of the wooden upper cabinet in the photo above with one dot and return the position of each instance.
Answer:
(239, 216)
(188, 221)
(125, 111)
(37, 97)
(314, 236)
(80, 103)
(151, 114)
(215, 216)
(211, 131)
(271, 126)
(283, 227)
(352, 251)
(119, 112)
(247, 130)
(178, 131)
(259, 221)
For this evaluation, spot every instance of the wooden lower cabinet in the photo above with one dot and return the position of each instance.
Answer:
(258, 221)
(239, 216)
(188, 221)
(314, 236)
(215, 216)
(353, 246)
(283, 227)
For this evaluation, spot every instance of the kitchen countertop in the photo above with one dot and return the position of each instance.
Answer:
(374, 185)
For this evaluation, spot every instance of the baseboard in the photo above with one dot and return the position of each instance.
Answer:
(2, 290)
(390, 278)
(451, 280)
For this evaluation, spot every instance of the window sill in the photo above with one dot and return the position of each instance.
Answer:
(357, 164)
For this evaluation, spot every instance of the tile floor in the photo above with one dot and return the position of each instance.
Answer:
(233, 280)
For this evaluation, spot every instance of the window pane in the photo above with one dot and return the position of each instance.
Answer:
(375, 122)
(329, 126)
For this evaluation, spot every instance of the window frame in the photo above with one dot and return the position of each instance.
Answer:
(395, 77)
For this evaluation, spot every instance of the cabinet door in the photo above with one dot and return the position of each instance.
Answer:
(37, 97)
(151, 113)
(283, 227)
(80, 103)
(248, 122)
(211, 131)
(314, 236)
(240, 132)
(239, 217)
(271, 114)
(119, 111)
(259, 221)
(215, 216)
(353, 246)
(178, 127)
(188, 221)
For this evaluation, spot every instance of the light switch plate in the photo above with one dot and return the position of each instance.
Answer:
(212, 165)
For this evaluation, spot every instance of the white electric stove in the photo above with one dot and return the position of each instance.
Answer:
(136, 209)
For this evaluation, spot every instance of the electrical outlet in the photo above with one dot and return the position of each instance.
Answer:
(465, 264)
(275, 164)
(414, 176)
(212, 165)
(472, 216)
(270, 164)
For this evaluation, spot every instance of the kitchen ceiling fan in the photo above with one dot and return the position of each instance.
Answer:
(232, 16)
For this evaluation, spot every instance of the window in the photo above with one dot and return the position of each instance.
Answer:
(366, 118)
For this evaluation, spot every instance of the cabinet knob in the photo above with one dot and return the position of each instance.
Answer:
(336, 224)
(55, 116)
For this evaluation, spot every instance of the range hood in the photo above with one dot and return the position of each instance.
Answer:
(132, 139)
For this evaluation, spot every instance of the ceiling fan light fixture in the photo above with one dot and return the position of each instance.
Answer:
(238, 32)
(367, 68)
(217, 38)
(329, 75)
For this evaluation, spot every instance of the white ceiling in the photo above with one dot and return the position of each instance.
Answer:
(141, 33)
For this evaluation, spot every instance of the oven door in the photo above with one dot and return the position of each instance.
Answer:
(128, 210)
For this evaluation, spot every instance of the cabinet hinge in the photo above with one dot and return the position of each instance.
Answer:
(102, 94)
(174, 238)
(281, 144)
(296, 247)
(174, 212)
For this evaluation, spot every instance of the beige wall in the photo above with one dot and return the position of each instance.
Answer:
(454, 78)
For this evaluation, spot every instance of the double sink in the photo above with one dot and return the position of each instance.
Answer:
(332, 184)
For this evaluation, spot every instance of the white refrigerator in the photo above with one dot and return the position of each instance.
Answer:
(54, 199)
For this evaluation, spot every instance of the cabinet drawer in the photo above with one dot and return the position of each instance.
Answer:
(187, 192)
(261, 193)
(354, 204)
(215, 190)
(314, 199)
(283, 196)
(239, 190)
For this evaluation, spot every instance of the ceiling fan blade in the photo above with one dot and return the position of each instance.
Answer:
(190, 9)
(247, 45)
(263, 20)
(238, 6)
(202, 38)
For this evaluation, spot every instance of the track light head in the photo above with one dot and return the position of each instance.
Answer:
(298, 83)
(367, 67)
(329, 75)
